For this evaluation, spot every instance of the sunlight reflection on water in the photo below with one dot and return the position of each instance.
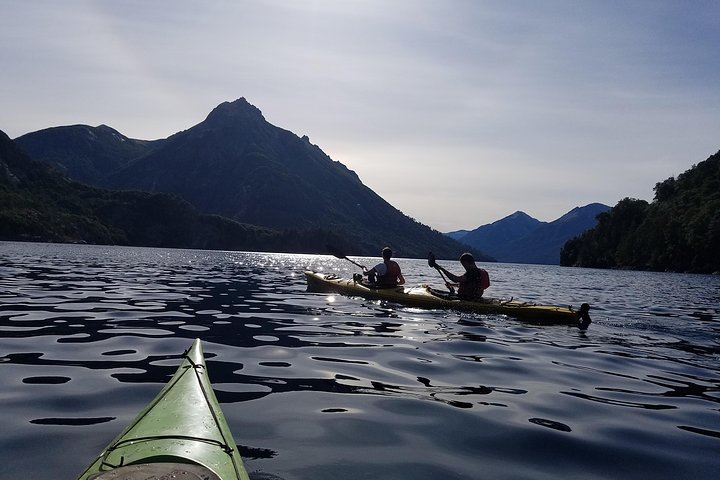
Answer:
(318, 386)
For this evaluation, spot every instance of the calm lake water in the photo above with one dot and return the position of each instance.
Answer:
(319, 387)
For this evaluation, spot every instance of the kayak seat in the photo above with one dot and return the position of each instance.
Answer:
(145, 471)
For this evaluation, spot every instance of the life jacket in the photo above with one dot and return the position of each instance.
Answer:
(392, 273)
(484, 278)
(476, 281)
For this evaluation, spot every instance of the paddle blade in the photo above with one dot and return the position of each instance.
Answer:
(334, 251)
(431, 260)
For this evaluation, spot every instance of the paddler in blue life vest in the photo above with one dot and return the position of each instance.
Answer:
(472, 283)
(386, 274)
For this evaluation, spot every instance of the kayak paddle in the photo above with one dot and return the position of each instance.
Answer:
(339, 254)
(432, 263)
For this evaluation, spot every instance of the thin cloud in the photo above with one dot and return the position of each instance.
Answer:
(457, 112)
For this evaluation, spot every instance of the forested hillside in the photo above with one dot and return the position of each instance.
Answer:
(238, 165)
(85, 153)
(679, 231)
(38, 203)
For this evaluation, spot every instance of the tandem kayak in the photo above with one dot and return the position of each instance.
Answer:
(181, 434)
(426, 297)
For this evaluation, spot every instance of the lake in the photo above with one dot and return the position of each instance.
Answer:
(317, 386)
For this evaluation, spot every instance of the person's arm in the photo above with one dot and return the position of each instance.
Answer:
(401, 279)
(452, 277)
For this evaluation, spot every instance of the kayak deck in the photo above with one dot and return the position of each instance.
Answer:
(426, 297)
(180, 432)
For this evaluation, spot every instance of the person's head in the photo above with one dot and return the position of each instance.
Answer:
(467, 260)
(387, 253)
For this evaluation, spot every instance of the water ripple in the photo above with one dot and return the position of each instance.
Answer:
(326, 386)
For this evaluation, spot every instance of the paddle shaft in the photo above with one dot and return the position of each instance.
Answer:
(335, 252)
(441, 274)
(433, 263)
(355, 263)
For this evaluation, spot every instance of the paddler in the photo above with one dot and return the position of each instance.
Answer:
(386, 274)
(472, 283)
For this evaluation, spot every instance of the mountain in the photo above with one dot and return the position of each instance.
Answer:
(543, 245)
(679, 231)
(84, 153)
(38, 203)
(238, 165)
(495, 236)
(457, 234)
(520, 238)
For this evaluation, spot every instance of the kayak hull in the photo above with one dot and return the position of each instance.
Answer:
(183, 425)
(426, 297)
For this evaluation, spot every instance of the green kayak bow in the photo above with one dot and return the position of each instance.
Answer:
(181, 434)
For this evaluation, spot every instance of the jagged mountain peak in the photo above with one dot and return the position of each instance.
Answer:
(518, 215)
(238, 110)
(236, 164)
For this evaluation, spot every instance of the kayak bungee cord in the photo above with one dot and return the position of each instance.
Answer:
(199, 369)
(226, 446)
(182, 429)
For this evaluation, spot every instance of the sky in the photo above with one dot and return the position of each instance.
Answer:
(457, 112)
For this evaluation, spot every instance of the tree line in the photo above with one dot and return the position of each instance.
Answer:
(678, 231)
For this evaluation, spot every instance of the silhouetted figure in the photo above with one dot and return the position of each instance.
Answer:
(386, 274)
(472, 283)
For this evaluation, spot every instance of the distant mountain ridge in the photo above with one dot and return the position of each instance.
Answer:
(502, 231)
(520, 238)
(38, 203)
(84, 153)
(236, 164)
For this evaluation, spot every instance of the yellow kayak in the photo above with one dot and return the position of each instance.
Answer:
(426, 297)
